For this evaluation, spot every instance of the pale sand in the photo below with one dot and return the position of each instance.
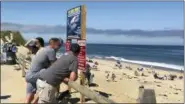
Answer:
(124, 90)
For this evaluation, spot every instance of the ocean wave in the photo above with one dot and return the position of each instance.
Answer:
(157, 64)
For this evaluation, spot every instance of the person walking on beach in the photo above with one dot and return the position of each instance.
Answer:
(63, 70)
(88, 73)
(113, 77)
(43, 59)
(107, 76)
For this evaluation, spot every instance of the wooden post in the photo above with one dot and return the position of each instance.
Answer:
(23, 71)
(146, 96)
(21, 60)
(82, 82)
(80, 10)
(21, 66)
(83, 36)
(83, 22)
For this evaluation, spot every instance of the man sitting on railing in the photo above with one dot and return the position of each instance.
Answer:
(63, 70)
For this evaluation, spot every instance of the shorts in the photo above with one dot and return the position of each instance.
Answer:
(31, 79)
(31, 88)
(46, 92)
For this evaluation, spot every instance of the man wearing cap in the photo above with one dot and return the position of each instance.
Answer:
(63, 70)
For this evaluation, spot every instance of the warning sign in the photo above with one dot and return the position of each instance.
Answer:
(82, 55)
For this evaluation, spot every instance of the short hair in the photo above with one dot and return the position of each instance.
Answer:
(54, 40)
(75, 48)
(41, 41)
(61, 40)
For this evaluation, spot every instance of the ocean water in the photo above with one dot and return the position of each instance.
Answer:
(171, 57)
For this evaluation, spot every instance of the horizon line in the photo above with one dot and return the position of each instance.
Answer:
(164, 29)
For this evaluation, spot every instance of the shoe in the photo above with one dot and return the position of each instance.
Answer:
(64, 94)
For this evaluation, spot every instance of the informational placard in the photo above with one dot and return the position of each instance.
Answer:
(68, 45)
(82, 55)
(74, 23)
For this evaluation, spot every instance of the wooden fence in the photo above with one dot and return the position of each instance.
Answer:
(145, 95)
(23, 63)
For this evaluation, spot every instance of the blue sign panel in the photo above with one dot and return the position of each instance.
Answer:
(74, 23)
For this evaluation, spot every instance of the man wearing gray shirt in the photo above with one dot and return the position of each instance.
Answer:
(42, 60)
(63, 70)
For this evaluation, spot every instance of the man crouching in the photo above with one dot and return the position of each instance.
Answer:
(63, 70)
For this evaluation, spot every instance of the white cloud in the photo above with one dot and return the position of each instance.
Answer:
(117, 39)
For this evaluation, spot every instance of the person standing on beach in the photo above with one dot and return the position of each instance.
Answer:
(63, 70)
(88, 73)
(42, 60)
(113, 77)
(107, 77)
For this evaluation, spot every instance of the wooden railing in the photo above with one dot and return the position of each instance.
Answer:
(96, 97)
(23, 63)
(145, 95)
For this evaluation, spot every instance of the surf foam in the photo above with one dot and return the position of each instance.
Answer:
(157, 64)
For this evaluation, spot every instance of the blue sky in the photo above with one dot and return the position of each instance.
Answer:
(100, 15)
(103, 15)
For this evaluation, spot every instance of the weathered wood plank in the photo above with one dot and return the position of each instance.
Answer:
(21, 60)
(96, 97)
(21, 64)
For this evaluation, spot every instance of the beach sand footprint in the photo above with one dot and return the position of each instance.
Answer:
(177, 89)
(176, 93)
(158, 85)
(157, 82)
(163, 95)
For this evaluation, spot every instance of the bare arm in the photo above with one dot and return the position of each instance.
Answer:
(73, 76)
(36, 98)
(74, 69)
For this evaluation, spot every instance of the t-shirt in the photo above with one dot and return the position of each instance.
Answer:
(41, 60)
(62, 68)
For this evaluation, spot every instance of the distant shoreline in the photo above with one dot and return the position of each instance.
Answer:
(129, 44)
(136, 44)
(146, 66)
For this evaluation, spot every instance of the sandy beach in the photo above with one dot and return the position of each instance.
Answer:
(124, 89)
